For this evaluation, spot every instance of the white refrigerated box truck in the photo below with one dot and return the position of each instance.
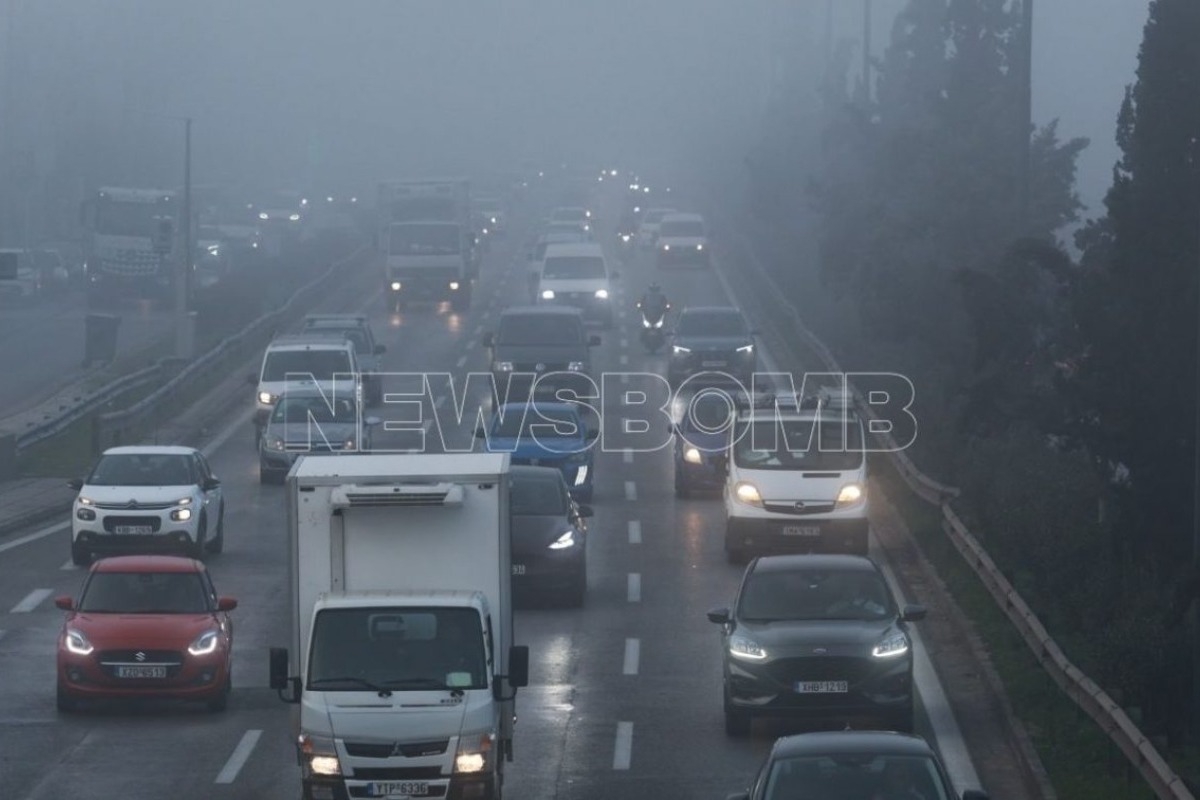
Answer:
(405, 670)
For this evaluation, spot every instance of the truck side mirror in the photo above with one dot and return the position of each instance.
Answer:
(518, 666)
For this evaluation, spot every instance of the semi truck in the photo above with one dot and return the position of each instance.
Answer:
(427, 243)
(402, 625)
(129, 238)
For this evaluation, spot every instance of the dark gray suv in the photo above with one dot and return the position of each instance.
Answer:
(715, 340)
(545, 348)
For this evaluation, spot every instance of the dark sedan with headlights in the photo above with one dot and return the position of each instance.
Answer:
(817, 637)
(549, 535)
(714, 343)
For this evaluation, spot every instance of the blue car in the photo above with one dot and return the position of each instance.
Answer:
(545, 435)
(701, 436)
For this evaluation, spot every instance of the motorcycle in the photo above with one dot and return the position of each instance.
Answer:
(653, 319)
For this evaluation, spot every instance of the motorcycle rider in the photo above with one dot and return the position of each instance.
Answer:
(653, 303)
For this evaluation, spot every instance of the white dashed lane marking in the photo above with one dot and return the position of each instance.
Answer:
(238, 759)
(635, 531)
(633, 590)
(31, 601)
(623, 751)
(633, 650)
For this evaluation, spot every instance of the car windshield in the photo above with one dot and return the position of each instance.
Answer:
(712, 323)
(814, 594)
(681, 228)
(531, 329)
(425, 239)
(145, 593)
(355, 335)
(409, 649)
(709, 413)
(799, 444)
(537, 422)
(319, 365)
(855, 775)
(143, 469)
(537, 496)
(315, 409)
(573, 267)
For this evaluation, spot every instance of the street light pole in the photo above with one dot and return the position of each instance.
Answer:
(1025, 120)
(184, 327)
(866, 52)
(1195, 715)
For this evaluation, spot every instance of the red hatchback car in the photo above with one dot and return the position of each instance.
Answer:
(146, 626)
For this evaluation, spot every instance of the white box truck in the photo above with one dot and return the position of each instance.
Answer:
(402, 626)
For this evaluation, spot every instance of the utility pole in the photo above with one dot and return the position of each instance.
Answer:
(1025, 120)
(1195, 715)
(866, 53)
(184, 320)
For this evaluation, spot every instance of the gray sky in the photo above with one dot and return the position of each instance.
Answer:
(312, 93)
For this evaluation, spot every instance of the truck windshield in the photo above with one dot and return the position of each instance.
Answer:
(425, 239)
(128, 219)
(398, 649)
(424, 208)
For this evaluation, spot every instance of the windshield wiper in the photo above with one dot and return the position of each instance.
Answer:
(415, 683)
(363, 682)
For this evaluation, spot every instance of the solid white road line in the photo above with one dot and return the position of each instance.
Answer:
(630, 490)
(41, 533)
(627, 456)
(633, 650)
(635, 531)
(633, 591)
(31, 601)
(950, 742)
(461, 361)
(238, 759)
(238, 423)
(623, 751)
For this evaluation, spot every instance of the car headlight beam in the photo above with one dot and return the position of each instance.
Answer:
(566, 540)
(895, 644)
(746, 648)
(748, 494)
(205, 643)
(77, 643)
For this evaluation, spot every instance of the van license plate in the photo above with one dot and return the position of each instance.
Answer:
(518, 569)
(141, 672)
(398, 790)
(801, 530)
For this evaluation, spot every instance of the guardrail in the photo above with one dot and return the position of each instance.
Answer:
(114, 426)
(1093, 700)
(121, 427)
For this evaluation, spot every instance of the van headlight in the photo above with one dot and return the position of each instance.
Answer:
(547, 294)
(692, 456)
(747, 493)
(602, 294)
(267, 399)
(504, 366)
(850, 495)
(318, 755)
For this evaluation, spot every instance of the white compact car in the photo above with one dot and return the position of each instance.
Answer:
(577, 275)
(647, 232)
(329, 360)
(148, 499)
(796, 479)
(682, 241)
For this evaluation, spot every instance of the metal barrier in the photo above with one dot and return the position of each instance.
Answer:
(116, 427)
(1093, 700)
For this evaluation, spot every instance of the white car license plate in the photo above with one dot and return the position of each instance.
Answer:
(141, 672)
(518, 569)
(133, 530)
(712, 363)
(801, 530)
(397, 790)
(822, 687)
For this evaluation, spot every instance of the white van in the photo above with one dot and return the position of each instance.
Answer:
(796, 478)
(577, 275)
(328, 359)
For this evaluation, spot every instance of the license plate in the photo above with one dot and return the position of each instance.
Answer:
(712, 363)
(141, 672)
(518, 569)
(133, 530)
(398, 789)
(822, 687)
(801, 530)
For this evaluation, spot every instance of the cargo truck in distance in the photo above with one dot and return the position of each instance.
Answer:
(402, 626)
(129, 245)
(426, 242)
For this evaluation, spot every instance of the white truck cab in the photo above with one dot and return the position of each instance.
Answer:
(796, 478)
(577, 275)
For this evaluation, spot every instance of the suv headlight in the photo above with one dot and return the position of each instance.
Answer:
(748, 494)
(699, 246)
(205, 643)
(350, 444)
(567, 539)
(895, 644)
(692, 456)
(547, 294)
(274, 443)
(503, 366)
(575, 366)
(181, 515)
(745, 648)
(318, 754)
(602, 294)
(77, 643)
(666, 247)
(474, 756)
(850, 495)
